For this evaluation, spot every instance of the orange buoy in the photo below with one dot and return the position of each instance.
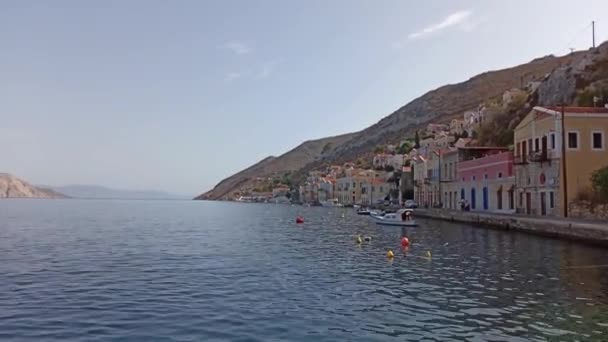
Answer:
(405, 241)
(299, 219)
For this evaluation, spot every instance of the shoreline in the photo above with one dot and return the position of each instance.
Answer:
(594, 233)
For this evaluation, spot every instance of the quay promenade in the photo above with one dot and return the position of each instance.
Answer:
(594, 232)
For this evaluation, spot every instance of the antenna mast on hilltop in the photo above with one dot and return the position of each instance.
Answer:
(593, 33)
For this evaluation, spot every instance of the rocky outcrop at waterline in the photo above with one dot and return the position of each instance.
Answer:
(13, 187)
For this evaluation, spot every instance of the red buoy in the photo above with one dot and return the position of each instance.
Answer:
(299, 219)
(405, 241)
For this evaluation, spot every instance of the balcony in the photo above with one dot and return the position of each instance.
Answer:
(520, 160)
(539, 156)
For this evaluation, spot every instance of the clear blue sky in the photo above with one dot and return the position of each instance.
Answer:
(176, 95)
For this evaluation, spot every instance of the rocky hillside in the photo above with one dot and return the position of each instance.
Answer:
(292, 161)
(579, 81)
(439, 105)
(13, 187)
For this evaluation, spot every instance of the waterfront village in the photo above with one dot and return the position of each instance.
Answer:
(444, 165)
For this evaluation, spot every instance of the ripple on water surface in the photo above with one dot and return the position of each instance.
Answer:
(179, 270)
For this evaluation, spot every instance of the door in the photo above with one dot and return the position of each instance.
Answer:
(473, 198)
(485, 198)
(524, 151)
(528, 203)
(543, 203)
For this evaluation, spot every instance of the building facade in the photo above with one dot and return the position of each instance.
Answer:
(449, 181)
(539, 169)
(488, 183)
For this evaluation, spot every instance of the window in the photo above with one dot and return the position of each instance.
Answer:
(597, 140)
(500, 175)
(473, 178)
(529, 145)
(521, 199)
(463, 179)
(381, 189)
(373, 188)
(536, 145)
(553, 141)
(518, 153)
(511, 204)
(551, 200)
(485, 176)
(529, 181)
(573, 140)
(354, 185)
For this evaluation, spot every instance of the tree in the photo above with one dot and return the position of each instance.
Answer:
(379, 150)
(474, 135)
(416, 140)
(464, 134)
(405, 148)
(599, 181)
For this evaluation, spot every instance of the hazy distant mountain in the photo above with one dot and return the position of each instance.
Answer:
(100, 192)
(13, 187)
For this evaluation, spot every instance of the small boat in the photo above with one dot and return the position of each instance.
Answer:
(403, 217)
(364, 211)
(331, 203)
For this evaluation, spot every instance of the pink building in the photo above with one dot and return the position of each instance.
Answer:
(488, 183)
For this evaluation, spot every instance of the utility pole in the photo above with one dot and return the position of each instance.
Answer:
(565, 183)
(593, 33)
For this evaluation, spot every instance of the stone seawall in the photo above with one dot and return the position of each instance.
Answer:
(590, 232)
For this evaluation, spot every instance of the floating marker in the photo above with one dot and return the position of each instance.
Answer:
(405, 242)
(390, 254)
(299, 219)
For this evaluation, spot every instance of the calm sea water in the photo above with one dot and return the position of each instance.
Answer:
(200, 271)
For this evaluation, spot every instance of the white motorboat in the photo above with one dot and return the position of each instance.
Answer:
(331, 203)
(403, 217)
(364, 211)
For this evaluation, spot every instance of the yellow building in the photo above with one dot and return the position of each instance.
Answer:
(365, 187)
(539, 172)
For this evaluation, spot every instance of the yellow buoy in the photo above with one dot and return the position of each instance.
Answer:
(390, 254)
(359, 239)
(428, 254)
